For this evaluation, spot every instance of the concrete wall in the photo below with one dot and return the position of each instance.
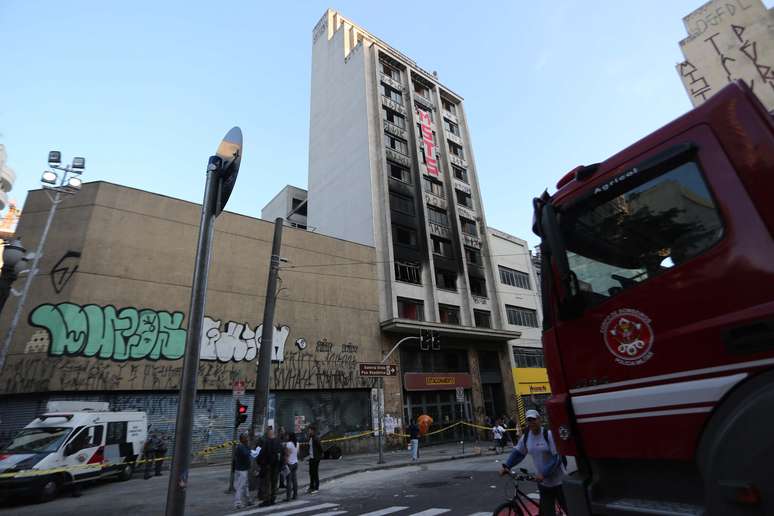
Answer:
(114, 317)
(728, 40)
(339, 158)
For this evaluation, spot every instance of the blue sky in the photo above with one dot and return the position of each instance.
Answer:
(145, 90)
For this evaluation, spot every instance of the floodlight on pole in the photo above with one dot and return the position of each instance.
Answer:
(49, 177)
(60, 184)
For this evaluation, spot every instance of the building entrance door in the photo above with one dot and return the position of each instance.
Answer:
(443, 407)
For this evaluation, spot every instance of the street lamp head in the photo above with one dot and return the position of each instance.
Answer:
(54, 157)
(79, 163)
(49, 177)
(13, 253)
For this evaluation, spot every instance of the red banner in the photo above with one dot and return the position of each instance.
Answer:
(427, 140)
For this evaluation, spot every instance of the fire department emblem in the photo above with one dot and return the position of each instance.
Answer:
(629, 336)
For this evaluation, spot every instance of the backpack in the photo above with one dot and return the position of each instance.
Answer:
(545, 436)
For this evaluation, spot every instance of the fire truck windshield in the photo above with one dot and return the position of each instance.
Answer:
(637, 229)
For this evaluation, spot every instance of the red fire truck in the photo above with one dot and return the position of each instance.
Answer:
(658, 300)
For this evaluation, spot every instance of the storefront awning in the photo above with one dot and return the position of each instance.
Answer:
(410, 327)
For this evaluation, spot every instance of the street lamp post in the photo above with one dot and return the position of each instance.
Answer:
(55, 185)
(13, 255)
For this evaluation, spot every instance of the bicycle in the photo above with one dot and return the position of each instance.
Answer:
(522, 504)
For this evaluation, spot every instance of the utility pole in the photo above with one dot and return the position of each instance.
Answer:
(222, 170)
(263, 370)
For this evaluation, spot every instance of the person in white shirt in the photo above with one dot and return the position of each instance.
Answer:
(539, 444)
(291, 461)
(498, 431)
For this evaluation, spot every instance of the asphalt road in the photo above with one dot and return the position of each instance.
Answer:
(459, 487)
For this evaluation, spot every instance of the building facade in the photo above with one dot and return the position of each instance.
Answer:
(288, 204)
(106, 317)
(518, 289)
(728, 40)
(391, 166)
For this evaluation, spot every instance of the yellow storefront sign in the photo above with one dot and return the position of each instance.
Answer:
(531, 380)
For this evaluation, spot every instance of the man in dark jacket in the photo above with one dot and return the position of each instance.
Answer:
(241, 468)
(150, 454)
(315, 454)
(270, 462)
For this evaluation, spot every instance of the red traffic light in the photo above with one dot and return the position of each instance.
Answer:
(242, 409)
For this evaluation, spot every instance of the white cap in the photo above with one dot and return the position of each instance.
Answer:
(533, 414)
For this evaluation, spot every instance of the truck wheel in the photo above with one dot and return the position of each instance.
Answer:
(736, 451)
(50, 488)
(127, 470)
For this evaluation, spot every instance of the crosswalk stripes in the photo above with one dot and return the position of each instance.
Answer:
(388, 510)
(260, 510)
(305, 508)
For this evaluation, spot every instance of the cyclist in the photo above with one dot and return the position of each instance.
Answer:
(539, 444)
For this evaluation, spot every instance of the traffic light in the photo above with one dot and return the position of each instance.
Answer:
(425, 339)
(241, 414)
(435, 341)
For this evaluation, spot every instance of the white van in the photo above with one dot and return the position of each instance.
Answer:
(72, 442)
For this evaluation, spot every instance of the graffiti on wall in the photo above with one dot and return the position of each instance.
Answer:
(64, 269)
(728, 40)
(110, 333)
(326, 365)
(131, 334)
(237, 341)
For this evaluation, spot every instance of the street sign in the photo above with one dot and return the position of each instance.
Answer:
(460, 395)
(238, 388)
(377, 369)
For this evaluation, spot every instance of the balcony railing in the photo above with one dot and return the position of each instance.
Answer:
(395, 106)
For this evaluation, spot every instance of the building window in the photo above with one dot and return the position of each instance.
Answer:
(404, 236)
(395, 143)
(394, 118)
(456, 149)
(399, 173)
(448, 106)
(446, 280)
(449, 314)
(464, 199)
(441, 246)
(461, 174)
(468, 227)
(432, 186)
(437, 216)
(528, 357)
(392, 94)
(477, 287)
(422, 90)
(514, 278)
(483, 318)
(299, 206)
(521, 316)
(419, 131)
(413, 309)
(473, 256)
(401, 203)
(451, 127)
(409, 272)
(389, 71)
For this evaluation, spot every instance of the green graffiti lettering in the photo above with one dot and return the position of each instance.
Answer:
(108, 333)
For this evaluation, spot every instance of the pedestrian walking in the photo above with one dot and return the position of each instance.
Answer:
(291, 462)
(242, 459)
(413, 431)
(497, 434)
(149, 450)
(315, 454)
(161, 454)
(270, 461)
(283, 438)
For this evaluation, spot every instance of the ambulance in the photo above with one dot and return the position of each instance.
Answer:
(72, 442)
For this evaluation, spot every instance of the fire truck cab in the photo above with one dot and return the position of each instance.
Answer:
(658, 294)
